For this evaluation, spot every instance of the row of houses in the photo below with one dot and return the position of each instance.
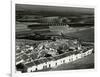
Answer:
(52, 62)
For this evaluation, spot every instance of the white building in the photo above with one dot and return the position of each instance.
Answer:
(53, 62)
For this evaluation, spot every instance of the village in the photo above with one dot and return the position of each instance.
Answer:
(47, 39)
(49, 54)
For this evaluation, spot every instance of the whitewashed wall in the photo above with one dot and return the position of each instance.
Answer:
(52, 64)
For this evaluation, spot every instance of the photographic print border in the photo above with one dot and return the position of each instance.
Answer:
(13, 36)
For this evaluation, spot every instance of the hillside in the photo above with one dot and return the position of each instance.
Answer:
(86, 35)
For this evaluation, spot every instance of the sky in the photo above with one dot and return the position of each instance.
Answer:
(52, 10)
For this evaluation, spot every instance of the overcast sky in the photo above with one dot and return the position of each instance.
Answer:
(52, 10)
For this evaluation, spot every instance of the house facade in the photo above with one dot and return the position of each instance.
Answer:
(56, 61)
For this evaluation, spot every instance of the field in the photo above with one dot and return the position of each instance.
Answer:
(85, 35)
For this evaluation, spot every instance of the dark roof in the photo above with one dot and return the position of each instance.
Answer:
(64, 55)
(41, 61)
(33, 56)
(37, 62)
(30, 64)
(18, 51)
(49, 58)
(18, 59)
(72, 52)
(17, 55)
(56, 57)
(45, 60)
(76, 52)
(24, 57)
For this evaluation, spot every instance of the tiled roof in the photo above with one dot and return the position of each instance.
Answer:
(41, 61)
(76, 52)
(18, 59)
(37, 62)
(57, 57)
(24, 57)
(30, 64)
(50, 58)
(44, 60)
(33, 56)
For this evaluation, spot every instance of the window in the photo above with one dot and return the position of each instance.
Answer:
(63, 61)
(56, 64)
(43, 67)
(49, 65)
(36, 69)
